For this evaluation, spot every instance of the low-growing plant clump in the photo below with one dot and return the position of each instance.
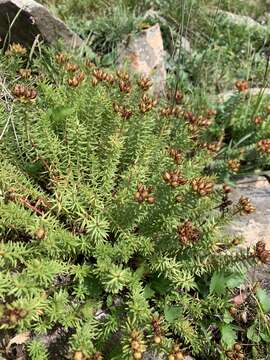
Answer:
(112, 223)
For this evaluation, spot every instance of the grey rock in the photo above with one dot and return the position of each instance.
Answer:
(185, 45)
(256, 226)
(181, 42)
(152, 355)
(252, 92)
(30, 20)
(143, 54)
(240, 20)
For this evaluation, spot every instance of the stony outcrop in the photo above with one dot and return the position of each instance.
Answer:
(143, 54)
(22, 21)
(254, 227)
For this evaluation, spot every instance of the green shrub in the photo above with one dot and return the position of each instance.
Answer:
(109, 226)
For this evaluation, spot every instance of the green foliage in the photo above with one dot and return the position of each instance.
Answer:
(97, 217)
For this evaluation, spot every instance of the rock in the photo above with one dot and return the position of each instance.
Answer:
(143, 54)
(181, 41)
(252, 92)
(31, 20)
(240, 20)
(256, 226)
(185, 45)
(152, 355)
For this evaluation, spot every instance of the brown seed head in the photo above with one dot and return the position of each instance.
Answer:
(16, 49)
(71, 67)
(144, 83)
(234, 165)
(258, 120)
(264, 146)
(241, 85)
(202, 186)
(61, 58)
(25, 73)
(188, 233)
(122, 75)
(246, 205)
(125, 86)
(24, 93)
(78, 355)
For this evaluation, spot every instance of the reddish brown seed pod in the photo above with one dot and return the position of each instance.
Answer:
(241, 85)
(25, 73)
(144, 83)
(188, 233)
(151, 200)
(245, 205)
(71, 67)
(40, 233)
(234, 165)
(24, 93)
(202, 186)
(16, 49)
(61, 58)
(264, 146)
(258, 120)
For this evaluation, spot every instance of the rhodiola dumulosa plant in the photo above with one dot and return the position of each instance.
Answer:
(109, 228)
(239, 139)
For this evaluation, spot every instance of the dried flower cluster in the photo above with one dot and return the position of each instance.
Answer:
(245, 205)
(264, 146)
(11, 315)
(237, 353)
(76, 80)
(174, 178)
(211, 147)
(24, 93)
(202, 186)
(122, 111)
(16, 49)
(188, 233)
(170, 111)
(157, 330)
(234, 165)
(147, 103)
(125, 86)
(25, 73)
(101, 75)
(258, 120)
(261, 253)
(90, 64)
(144, 194)
(241, 85)
(137, 346)
(176, 155)
(175, 96)
(176, 353)
(70, 67)
(61, 58)
(144, 83)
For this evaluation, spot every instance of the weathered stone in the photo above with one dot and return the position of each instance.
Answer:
(143, 54)
(181, 41)
(185, 45)
(21, 21)
(256, 226)
(152, 355)
(252, 92)
(240, 20)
